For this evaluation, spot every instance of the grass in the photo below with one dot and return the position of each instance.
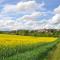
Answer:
(39, 53)
(55, 55)
(13, 47)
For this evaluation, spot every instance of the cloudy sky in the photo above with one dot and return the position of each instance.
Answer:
(29, 14)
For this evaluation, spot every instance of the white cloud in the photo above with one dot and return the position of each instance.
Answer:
(27, 6)
(57, 10)
(54, 22)
(27, 0)
(30, 5)
(33, 16)
(5, 24)
(24, 22)
(9, 8)
(28, 20)
(9, 24)
(55, 19)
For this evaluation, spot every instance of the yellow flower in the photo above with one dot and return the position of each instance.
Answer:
(13, 40)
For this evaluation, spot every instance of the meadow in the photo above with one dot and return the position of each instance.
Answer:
(15, 47)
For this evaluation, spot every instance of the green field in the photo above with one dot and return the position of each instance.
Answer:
(13, 47)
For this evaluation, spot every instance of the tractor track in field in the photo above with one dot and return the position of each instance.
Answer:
(55, 54)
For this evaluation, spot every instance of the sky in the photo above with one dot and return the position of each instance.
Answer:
(29, 14)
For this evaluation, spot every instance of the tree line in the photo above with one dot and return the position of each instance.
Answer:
(41, 33)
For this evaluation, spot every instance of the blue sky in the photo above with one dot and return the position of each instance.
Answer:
(50, 4)
(29, 14)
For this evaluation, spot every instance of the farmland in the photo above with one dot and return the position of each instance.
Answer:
(23, 40)
(14, 47)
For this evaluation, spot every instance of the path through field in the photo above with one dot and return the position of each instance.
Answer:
(56, 54)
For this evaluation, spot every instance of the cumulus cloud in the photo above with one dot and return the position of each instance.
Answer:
(34, 19)
(24, 22)
(56, 19)
(20, 23)
(54, 22)
(9, 8)
(27, 6)
(57, 10)
(26, 0)
(33, 16)
(5, 24)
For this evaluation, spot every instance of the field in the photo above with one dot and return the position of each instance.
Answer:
(13, 47)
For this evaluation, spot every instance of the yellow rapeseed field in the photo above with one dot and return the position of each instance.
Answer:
(13, 40)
